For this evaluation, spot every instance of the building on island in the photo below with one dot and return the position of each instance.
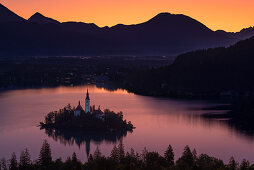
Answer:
(78, 110)
(97, 113)
(87, 103)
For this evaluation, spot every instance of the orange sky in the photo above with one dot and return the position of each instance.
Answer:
(230, 15)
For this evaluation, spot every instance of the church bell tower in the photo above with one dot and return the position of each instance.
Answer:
(87, 103)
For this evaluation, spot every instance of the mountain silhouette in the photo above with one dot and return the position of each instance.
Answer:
(8, 16)
(169, 33)
(164, 34)
(40, 19)
(241, 35)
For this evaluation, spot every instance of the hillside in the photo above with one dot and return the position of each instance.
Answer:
(202, 73)
(8, 16)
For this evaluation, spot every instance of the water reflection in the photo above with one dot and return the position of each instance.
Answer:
(159, 122)
(84, 138)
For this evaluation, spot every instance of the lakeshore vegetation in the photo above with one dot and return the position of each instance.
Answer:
(120, 159)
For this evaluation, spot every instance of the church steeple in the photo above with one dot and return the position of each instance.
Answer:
(87, 95)
(87, 103)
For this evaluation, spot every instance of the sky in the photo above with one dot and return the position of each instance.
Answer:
(228, 15)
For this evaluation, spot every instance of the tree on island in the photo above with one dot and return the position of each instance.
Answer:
(107, 121)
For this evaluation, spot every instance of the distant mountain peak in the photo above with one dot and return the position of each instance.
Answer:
(164, 14)
(166, 17)
(38, 14)
(7, 15)
(41, 19)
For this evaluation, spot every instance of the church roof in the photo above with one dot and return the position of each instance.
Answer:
(87, 95)
(79, 107)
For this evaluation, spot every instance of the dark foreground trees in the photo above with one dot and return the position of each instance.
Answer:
(120, 159)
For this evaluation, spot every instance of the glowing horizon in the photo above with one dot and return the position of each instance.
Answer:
(228, 15)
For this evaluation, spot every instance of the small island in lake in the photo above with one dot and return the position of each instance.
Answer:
(88, 120)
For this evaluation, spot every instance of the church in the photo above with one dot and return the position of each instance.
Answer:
(97, 113)
(79, 108)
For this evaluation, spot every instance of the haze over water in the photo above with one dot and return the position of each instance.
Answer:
(158, 122)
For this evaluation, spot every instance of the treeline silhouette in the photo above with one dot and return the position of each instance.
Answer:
(120, 159)
(201, 74)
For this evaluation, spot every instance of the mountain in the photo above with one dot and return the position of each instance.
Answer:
(241, 35)
(164, 34)
(40, 19)
(169, 34)
(245, 33)
(203, 73)
(8, 16)
(80, 27)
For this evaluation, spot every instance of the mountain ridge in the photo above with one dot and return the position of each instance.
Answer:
(164, 34)
(7, 15)
(41, 19)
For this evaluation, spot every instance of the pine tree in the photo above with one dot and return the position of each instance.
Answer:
(194, 154)
(115, 154)
(74, 158)
(233, 165)
(45, 158)
(187, 155)
(90, 158)
(97, 153)
(186, 160)
(143, 155)
(121, 151)
(3, 164)
(244, 165)
(76, 164)
(25, 159)
(132, 153)
(13, 162)
(169, 156)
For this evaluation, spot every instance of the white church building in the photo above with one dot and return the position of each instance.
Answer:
(79, 108)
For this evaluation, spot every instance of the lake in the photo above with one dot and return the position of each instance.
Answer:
(158, 121)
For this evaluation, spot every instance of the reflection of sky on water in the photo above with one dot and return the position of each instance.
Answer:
(159, 122)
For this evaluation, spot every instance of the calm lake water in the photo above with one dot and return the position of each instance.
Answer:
(158, 122)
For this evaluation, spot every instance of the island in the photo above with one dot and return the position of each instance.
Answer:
(88, 120)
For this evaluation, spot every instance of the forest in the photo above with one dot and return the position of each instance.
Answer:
(121, 159)
(207, 73)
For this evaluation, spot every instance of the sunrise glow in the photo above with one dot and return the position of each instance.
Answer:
(229, 15)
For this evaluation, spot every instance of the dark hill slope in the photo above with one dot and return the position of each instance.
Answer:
(8, 16)
(204, 73)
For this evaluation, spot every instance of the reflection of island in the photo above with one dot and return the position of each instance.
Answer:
(79, 138)
(78, 125)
